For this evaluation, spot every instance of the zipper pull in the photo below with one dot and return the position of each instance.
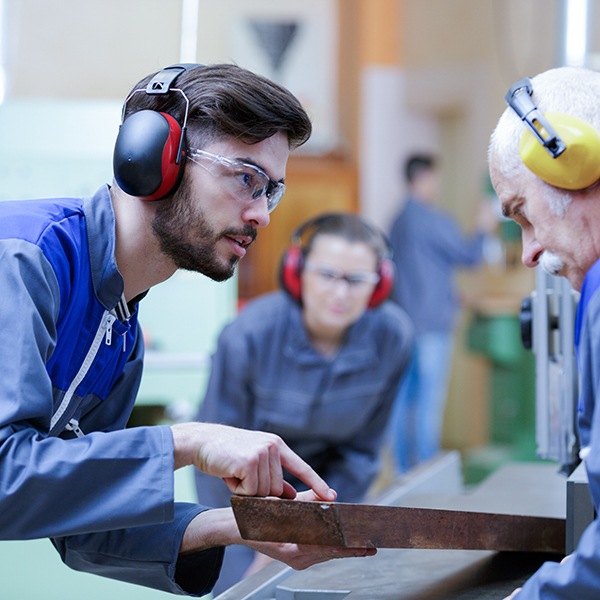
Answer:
(125, 342)
(73, 425)
(110, 319)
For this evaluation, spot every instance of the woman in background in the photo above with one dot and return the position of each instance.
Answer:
(317, 363)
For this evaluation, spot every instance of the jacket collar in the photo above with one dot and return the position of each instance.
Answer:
(100, 225)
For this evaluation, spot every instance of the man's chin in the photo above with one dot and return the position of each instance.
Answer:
(551, 270)
(211, 270)
(551, 264)
(220, 276)
(222, 273)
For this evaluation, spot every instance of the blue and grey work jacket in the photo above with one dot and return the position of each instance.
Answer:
(71, 358)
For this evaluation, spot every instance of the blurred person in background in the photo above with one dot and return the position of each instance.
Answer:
(428, 249)
(318, 363)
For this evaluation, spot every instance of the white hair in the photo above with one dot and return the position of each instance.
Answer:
(571, 90)
(551, 263)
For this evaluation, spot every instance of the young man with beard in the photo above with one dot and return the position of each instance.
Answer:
(547, 181)
(199, 164)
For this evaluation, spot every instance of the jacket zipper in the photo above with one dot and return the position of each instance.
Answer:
(73, 425)
(105, 328)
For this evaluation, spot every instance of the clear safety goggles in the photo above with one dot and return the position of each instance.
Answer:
(246, 182)
(330, 277)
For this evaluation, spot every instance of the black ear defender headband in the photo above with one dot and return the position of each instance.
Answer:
(560, 149)
(292, 262)
(150, 149)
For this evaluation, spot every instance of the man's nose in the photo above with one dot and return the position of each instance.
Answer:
(257, 213)
(532, 250)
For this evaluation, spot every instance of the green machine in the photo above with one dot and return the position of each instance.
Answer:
(533, 381)
(511, 393)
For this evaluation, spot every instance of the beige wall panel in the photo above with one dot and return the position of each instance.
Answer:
(516, 34)
(88, 49)
(308, 64)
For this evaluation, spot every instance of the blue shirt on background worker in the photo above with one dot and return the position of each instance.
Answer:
(428, 249)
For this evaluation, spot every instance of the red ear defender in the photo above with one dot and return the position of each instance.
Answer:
(171, 164)
(292, 262)
(384, 286)
(146, 161)
(150, 149)
(291, 271)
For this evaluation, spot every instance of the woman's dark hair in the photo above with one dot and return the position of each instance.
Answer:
(227, 100)
(348, 226)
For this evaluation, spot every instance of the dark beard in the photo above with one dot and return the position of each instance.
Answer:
(175, 223)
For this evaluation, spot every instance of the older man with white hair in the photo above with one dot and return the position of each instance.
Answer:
(544, 161)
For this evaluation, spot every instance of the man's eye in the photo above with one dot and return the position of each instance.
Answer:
(519, 217)
(246, 178)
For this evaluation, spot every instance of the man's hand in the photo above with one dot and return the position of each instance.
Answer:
(217, 527)
(251, 463)
(301, 557)
(261, 560)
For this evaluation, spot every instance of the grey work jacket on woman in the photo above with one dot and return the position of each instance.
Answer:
(331, 411)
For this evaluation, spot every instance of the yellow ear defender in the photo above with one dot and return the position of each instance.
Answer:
(560, 149)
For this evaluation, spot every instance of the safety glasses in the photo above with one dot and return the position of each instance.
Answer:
(246, 182)
(330, 277)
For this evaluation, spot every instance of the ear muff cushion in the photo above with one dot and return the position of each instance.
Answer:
(145, 155)
(384, 286)
(290, 272)
(577, 167)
